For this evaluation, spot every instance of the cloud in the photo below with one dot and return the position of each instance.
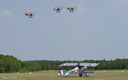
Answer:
(6, 14)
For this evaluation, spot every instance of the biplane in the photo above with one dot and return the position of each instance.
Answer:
(30, 14)
(80, 69)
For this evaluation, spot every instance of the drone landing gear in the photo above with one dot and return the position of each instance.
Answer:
(57, 11)
(30, 16)
(71, 11)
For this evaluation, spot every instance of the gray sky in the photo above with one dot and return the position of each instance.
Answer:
(97, 30)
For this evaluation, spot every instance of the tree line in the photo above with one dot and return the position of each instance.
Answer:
(12, 64)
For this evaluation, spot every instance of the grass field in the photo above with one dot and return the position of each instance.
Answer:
(51, 75)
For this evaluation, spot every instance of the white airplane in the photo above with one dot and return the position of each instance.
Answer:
(77, 70)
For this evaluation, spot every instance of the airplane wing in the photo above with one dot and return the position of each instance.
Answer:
(80, 64)
(89, 64)
(68, 64)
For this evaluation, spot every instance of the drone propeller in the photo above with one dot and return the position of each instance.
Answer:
(67, 8)
(61, 7)
(53, 8)
(33, 13)
(75, 7)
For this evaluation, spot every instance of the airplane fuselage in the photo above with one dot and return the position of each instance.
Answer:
(82, 69)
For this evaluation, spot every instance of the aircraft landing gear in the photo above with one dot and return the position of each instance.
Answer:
(80, 75)
(87, 75)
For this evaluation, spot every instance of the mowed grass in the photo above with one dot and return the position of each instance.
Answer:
(52, 75)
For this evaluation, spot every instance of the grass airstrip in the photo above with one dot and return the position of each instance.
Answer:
(52, 75)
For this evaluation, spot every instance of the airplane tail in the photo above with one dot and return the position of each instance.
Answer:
(62, 72)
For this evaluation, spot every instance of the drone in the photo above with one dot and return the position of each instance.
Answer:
(58, 9)
(71, 8)
(30, 14)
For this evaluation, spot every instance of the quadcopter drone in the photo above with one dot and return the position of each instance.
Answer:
(30, 14)
(71, 8)
(58, 9)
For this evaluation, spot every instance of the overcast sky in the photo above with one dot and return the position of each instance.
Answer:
(97, 30)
